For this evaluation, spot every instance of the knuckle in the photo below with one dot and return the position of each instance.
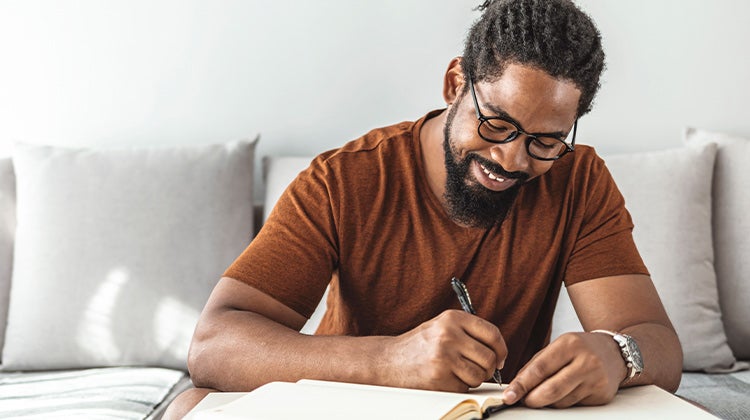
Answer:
(570, 339)
(495, 334)
(487, 359)
(521, 387)
(538, 370)
(451, 315)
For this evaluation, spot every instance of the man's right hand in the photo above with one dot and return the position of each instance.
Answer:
(451, 352)
(245, 338)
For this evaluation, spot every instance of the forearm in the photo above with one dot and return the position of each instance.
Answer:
(240, 350)
(662, 355)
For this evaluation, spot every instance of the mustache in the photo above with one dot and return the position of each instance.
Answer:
(496, 168)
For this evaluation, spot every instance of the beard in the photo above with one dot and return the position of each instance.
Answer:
(470, 203)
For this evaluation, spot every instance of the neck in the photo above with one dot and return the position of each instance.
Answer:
(431, 139)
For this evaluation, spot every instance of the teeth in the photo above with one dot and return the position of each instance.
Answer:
(491, 175)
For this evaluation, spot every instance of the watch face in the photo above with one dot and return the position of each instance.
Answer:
(635, 353)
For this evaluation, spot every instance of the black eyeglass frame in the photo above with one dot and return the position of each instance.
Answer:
(529, 137)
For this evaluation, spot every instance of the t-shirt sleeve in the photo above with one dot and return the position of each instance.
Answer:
(294, 255)
(604, 243)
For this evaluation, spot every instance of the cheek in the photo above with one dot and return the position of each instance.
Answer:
(464, 138)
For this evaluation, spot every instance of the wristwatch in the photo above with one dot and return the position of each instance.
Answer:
(630, 353)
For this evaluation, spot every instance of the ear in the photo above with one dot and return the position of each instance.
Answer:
(453, 81)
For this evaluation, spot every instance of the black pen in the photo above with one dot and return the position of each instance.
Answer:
(465, 300)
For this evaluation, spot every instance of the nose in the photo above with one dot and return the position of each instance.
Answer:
(512, 156)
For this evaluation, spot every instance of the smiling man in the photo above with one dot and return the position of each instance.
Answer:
(492, 190)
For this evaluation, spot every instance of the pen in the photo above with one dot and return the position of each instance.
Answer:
(465, 300)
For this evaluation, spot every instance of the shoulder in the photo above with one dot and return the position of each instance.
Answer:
(577, 171)
(374, 152)
(576, 181)
(383, 140)
(583, 160)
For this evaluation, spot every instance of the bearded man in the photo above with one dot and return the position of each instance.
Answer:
(492, 190)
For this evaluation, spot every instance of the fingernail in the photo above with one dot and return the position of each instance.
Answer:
(509, 396)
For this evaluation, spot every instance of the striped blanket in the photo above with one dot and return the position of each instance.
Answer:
(107, 393)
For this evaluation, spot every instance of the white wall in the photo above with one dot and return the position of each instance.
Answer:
(310, 75)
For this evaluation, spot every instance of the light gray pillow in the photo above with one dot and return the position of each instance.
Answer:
(668, 194)
(117, 250)
(731, 224)
(7, 230)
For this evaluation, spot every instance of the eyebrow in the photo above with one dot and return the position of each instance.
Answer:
(499, 112)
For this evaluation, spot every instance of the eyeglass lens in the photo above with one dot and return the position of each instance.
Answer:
(498, 130)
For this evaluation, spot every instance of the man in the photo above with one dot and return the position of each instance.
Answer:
(491, 190)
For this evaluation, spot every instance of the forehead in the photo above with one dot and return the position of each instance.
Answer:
(531, 96)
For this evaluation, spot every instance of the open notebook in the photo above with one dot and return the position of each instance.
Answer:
(308, 399)
(337, 400)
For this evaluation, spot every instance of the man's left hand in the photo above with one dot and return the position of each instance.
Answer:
(577, 368)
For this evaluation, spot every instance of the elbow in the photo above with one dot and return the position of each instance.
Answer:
(196, 364)
(676, 376)
(672, 375)
(199, 359)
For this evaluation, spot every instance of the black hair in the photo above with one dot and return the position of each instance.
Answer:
(552, 35)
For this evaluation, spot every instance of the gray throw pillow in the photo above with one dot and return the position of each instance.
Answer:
(668, 194)
(117, 250)
(731, 224)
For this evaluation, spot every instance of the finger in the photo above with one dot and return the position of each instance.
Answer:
(481, 355)
(453, 384)
(573, 398)
(554, 389)
(469, 372)
(488, 334)
(543, 365)
(597, 398)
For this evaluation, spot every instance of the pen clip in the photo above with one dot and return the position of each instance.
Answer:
(463, 295)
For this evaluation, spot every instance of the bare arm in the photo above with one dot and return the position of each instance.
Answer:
(245, 338)
(587, 368)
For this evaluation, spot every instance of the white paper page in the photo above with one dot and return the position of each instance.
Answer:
(288, 400)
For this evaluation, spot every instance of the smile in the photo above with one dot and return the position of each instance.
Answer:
(491, 175)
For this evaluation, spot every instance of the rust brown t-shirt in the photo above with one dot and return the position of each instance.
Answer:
(365, 215)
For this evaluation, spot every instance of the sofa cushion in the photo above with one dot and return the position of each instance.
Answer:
(117, 251)
(731, 224)
(122, 393)
(7, 230)
(668, 194)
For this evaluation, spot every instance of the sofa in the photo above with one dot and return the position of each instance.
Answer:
(107, 257)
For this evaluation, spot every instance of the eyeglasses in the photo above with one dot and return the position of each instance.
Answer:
(500, 130)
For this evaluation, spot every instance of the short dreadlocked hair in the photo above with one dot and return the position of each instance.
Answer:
(551, 35)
